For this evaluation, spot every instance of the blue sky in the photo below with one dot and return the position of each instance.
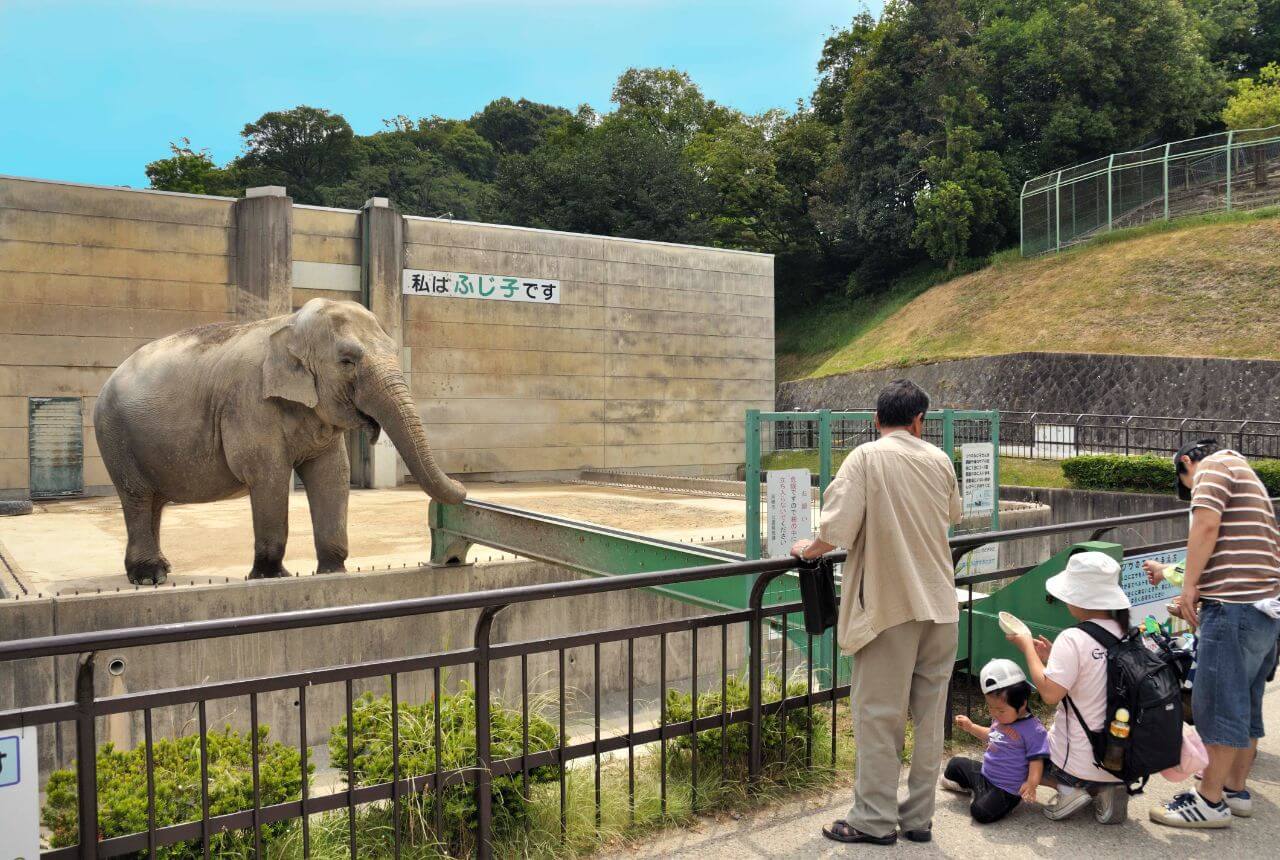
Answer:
(92, 91)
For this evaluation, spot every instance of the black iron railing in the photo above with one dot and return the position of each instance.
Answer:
(1059, 435)
(479, 655)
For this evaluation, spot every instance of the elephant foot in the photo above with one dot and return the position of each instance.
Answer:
(268, 572)
(150, 572)
(331, 567)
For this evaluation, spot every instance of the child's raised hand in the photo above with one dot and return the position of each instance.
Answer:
(1028, 791)
(1043, 646)
(962, 722)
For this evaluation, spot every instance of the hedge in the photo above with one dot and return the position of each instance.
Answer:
(1144, 473)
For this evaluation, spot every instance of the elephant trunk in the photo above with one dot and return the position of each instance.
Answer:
(386, 399)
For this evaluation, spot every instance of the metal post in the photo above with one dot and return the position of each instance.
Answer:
(86, 760)
(1166, 181)
(484, 752)
(755, 689)
(1022, 227)
(824, 452)
(752, 476)
(948, 433)
(1110, 161)
(1230, 135)
(995, 469)
(1057, 212)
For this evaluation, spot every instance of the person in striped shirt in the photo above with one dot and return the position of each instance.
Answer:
(1232, 567)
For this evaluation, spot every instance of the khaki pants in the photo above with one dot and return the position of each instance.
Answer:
(905, 667)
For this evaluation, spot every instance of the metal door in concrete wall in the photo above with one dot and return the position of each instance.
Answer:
(55, 446)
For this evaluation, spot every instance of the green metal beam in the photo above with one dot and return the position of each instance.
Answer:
(587, 548)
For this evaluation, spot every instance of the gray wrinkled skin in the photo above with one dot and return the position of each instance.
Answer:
(221, 410)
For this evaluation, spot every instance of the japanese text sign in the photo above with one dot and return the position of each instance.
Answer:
(465, 285)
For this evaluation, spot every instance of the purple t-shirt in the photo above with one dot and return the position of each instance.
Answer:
(1010, 748)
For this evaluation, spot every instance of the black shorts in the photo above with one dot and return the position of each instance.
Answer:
(990, 803)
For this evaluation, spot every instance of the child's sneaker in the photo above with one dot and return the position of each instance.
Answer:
(952, 785)
(1190, 809)
(1068, 802)
(1111, 805)
(1239, 802)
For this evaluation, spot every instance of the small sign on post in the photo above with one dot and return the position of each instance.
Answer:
(1148, 599)
(978, 476)
(19, 795)
(788, 504)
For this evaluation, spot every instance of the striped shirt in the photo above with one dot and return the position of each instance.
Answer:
(1245, 564)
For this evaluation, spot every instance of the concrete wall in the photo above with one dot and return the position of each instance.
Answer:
(1070, 506)
(1066, 382)
(648, 363)
(43, 681)
(87, 275)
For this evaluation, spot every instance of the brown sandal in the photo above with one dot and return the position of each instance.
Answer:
(842, 831)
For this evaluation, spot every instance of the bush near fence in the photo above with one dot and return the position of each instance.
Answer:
(1144, 473)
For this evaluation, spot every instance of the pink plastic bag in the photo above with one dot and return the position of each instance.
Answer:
(1194, 757)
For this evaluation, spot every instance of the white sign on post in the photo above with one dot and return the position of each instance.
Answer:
(978, 478)
(984, 559)
(466, 285)
(787, 498)
(19, 795)
(1148, 599)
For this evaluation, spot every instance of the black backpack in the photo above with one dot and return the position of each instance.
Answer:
(1146, 683)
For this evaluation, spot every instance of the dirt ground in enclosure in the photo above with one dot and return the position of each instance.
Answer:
(79, 544)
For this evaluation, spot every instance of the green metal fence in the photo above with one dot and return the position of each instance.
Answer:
(1216, 172)
(820, 440)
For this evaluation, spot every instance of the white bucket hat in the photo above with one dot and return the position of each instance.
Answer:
(1091, 580)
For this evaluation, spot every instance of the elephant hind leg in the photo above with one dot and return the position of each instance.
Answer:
(143, 561)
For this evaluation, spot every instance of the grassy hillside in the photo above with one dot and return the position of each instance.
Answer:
(1198, 287)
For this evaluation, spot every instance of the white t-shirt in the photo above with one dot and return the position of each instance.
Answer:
(1079, 663)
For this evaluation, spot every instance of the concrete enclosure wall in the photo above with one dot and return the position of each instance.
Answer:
(648, 363)
(30, 683)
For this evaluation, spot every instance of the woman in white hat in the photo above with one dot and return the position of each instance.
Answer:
(1075, 665)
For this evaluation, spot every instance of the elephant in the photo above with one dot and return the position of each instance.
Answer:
(223, 409)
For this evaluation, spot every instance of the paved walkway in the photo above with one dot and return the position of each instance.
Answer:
(793, 829)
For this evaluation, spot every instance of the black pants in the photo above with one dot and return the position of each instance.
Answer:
(990, 803)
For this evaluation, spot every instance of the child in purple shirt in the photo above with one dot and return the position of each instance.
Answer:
(1017, 746)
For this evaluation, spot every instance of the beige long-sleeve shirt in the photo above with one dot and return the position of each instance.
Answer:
(890, 506)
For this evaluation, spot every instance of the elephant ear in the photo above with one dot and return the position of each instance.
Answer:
(283, 373)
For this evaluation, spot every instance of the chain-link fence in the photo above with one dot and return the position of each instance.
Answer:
(1216, 172)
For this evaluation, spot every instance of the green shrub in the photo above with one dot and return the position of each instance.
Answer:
(122, 791)
(1144, 473)
(371, 744)
(738, 696)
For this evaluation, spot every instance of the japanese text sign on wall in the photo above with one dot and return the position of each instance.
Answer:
(464, 285)
(789, 509)
(1148, 599)
(19, 795)
(978, 478)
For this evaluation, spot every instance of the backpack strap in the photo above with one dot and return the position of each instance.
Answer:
(1100, 634)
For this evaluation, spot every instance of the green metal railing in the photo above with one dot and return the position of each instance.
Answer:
(1216, 172)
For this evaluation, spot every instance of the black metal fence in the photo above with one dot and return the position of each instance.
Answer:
(1059, 435)
(819, 690)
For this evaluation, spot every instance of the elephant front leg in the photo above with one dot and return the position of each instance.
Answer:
(269, 499)
(327, 479)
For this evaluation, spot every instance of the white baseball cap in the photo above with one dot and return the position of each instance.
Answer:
(1091, 580)
(998, 674)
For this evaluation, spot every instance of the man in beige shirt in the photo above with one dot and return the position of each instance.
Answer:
(890, 506)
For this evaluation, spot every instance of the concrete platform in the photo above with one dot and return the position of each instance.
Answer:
(78, 545)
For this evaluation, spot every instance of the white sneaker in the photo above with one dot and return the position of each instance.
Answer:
(1239, 802)
(1189, 809)
(1068, 802)
(1111, 805)
(952, 785)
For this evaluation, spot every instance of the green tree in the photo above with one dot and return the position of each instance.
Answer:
(191, 171)
(303, 149)
(668, 101)
(517, 126)
(1256, 104)
(944, 218)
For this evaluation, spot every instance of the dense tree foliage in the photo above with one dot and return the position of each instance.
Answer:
(912, 148)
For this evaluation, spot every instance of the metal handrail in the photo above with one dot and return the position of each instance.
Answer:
(77, 643)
